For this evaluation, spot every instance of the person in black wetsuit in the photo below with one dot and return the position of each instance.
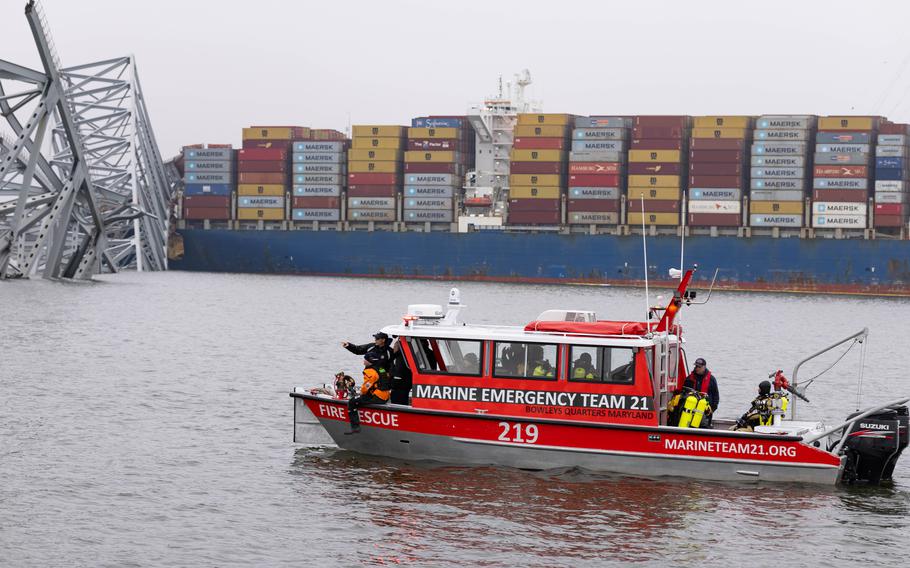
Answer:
(401, 376)
(379, 349)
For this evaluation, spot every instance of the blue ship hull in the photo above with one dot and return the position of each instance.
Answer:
(855, 266)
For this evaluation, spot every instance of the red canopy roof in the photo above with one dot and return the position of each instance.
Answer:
(592, 328)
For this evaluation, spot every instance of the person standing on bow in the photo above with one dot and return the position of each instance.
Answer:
(701, 380)
(376, 389)
(380, 348)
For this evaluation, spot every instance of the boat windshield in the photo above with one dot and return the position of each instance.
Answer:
(447, 356)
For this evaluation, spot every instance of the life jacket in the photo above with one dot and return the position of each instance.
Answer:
(582, 373)
(705, 381)
(376, 383)
(541, 371)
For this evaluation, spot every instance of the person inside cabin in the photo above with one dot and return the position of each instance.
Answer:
(513, 359)
(760, 412)
(401, 376)
(540, 366)
(701, 380)
(376, 389)
(380, 348)
(583, 368)
(624, 373)
(471, 364)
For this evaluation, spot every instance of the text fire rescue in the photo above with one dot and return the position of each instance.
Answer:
(533, 397)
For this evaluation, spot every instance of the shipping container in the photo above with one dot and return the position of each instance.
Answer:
(433, 168)
(661, 121)
(300, 158)
(265, 166)
(595, 180)
(777, 195)
(734, 207)
(537, 155)
(890, 209)
(264, 154)
(839, 221)
(655, 181)
(216, 201)
(252, 214)
(889, 197)
(374, 167)
(893, 128)
(424, 216)
(540, 143)
(843, 159)
(440, 156)
(847, 123)
(600, 134)
(716, 156)
(843, 148)
(784, 135)
(383, 143)
(374, 154)
(722, 133)
(654, 156)
(896, 185)
(840, 183)
(209, 178)
(595, 168)
(361, 190)
(371, 202)
(660, 133)
(656, 168)
(435, 203)
(525, 119)
(596, 157)
(657, 144)
(327, 215)
(429, 191)
(211, 213)
(602, 122)
(530, 192)
(431, 179)
(767, 172)
(775, 220)
(779, 148)
(598, 145)
(269, 133)
(890, 174)
(551, 131)
(725, 122)
(890, 221)
(841, 195)
(778, 183)
(311, 168)
(267, 144)
(893, 139)
(839, 208)
(448, 144)
(717, 144)
(594, 205)
(890, 151)
(316, 203)
(534, 218)
(786, 122)
(537, 167)
(829, 171)
(208, 189)
(370, 131)
(334, 147)
(778, 161)
(656, 219)
(433, 132)
(652, 193)
(438, 122)
(843, 138)
(320, 179)
(594, 192)
(653, 205)
(385, 179)
(536, 179)
(698, 168)
(371, 215)
(260, 201)
(260, 189)
(715, 194)
(534, 205)
(593, 218)
(222, 154)
(716, 181)
(776, 207)
(714, 219)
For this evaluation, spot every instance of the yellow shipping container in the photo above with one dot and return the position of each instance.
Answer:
(373, 167)
(557, 119)
(654, 181)
(538, 131)
(388, 143)
(279, 133)
(532, 192)
(722, 122)
(378, 131)
(375, 155)
(720, 132)
(249, 214)
(438, 156)
(782, 207)
(654, 155)
(847, 122)
(671, 219)
(543, 180)
(537, 155)
(434, 132)
(664, 193)
(265, 189)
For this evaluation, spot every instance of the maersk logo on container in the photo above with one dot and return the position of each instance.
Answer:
(435, 191)
(430, 179)
(845, 208)
(779, 148)
(843, 148)
(714, 194)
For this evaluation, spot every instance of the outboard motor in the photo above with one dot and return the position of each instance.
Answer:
(874, 444)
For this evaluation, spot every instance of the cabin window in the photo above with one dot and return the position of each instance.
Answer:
(594, 364)
(526, 361)
(447, 356)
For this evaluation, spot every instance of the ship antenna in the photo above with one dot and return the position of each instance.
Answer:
(682, 244)
(644, 244)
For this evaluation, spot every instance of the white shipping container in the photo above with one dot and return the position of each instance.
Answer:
(839, 208)
(891, 197)
(889, 185)
(839, 221)
(775, 220)
(715, 207)
(890, 151)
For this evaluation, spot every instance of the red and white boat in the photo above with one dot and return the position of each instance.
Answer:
(508, 396)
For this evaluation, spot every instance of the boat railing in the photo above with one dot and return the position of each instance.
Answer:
(521, 330)
(859, 336)
(850, 421)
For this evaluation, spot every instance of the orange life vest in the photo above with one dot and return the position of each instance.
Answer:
(371, 384)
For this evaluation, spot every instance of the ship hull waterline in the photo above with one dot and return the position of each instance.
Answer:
(403, 432)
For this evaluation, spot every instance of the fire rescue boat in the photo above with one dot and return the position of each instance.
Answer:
(567, 390)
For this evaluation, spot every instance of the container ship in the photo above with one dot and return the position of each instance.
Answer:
(506, 192)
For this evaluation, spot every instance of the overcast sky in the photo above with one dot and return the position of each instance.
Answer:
(210, 68)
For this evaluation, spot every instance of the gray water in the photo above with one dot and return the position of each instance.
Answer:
(145, 421)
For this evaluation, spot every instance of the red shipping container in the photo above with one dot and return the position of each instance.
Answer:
(893, 128)
(361, 190)
(841, 171)
(594, 180)
(890, 209)
(537, 168)
(715, 168)
(436, 144)
(316, 202)
(267, 144)
(261, 178)
(262, 166)
(890, 221)
(534, 218)
(595, 168)
(217, 201)
(432, 168)
(534, 205)
(653, 205)
(657, 144)
(715, 219)
(715, 156)
(662, 121)
(658, 168)
(841, 195)
(717, 143)
(374, 179)
(213, 213)
(539, 143)
(716, 181)
(662, 132)
(596, 205)
(272, 154)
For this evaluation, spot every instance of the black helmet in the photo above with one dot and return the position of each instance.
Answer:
(764, 388)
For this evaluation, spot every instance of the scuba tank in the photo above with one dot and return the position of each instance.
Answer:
(699, 411)
(690, 402)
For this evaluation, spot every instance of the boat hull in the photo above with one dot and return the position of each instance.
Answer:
(414, 434)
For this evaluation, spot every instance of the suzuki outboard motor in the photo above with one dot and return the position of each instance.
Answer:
(874, 444)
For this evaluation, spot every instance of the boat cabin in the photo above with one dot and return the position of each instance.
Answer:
(564, 365)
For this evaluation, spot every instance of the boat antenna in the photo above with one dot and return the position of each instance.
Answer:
(682, 243)
(644, 244)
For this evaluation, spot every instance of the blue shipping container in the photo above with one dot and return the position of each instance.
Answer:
(889, 174)
(889, 162)
(425, 122)
(208, 189)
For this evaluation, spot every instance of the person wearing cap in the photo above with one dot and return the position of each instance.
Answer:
(760, 413)
(375, 389)
(380, 348)
(701, 380)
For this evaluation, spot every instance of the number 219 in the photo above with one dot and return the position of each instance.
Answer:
(526, 433)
